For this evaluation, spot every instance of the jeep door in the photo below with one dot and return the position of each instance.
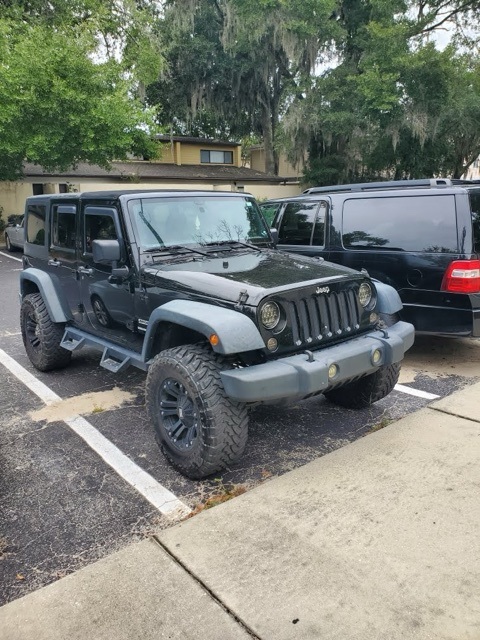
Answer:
(62, 254)
(108, 301)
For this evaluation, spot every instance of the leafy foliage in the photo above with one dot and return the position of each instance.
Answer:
(60, 104)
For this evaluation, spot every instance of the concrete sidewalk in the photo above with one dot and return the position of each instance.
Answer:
(377, 540)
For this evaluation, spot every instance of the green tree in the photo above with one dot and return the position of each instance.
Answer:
(239, 63)
(66, 99)
(394, 106)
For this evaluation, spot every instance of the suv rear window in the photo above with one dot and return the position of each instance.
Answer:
(401, 223)
(475, 206)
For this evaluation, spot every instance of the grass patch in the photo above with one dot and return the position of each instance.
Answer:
(223, 494)
(384, 422)
(97, 409)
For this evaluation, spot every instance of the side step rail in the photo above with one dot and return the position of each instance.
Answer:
(114, 357)
(71, 342)
(114, 362)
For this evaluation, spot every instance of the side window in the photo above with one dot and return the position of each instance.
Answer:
(475, 207)
(36, 224)
(318, 238)
(405, 223)
(297, 223)
(98, 227)
(63, 227)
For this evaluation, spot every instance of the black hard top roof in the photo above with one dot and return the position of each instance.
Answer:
(132, 193)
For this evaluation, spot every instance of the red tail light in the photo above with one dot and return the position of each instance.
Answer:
(462, 276)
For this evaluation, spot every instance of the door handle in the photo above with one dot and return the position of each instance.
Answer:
(54, 263)
(86, 271)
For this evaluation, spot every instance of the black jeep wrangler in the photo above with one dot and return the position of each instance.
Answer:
(188, 287)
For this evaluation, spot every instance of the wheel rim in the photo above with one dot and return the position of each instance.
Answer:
(100, 312)
(179, 415)
(32, 330)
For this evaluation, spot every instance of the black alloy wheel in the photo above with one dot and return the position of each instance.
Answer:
(179, 414)
(198, 427)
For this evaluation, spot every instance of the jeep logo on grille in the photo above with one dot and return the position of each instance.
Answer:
(322, 290)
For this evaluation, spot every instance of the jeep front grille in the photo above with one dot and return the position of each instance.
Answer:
(324, 317)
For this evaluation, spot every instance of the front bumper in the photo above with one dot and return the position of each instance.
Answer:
(307, 373)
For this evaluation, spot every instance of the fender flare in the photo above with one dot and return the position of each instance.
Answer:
(388, 300)
(56, 304)
(236, 332)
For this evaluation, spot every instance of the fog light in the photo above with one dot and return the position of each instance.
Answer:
(272, 344)
(332, 371)
(376, 356)
(373, 318)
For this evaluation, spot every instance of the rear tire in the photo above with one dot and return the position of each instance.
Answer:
(369, 389)
(41, 336)
(199, 429)
(8, 244)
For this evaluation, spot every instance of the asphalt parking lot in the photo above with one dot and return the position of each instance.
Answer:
(73, 492)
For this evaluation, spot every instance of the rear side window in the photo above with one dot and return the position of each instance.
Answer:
(475, 206)
(36, 224)
(298, 220)
(415, 223)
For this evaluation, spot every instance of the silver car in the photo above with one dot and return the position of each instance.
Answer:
(14, 236)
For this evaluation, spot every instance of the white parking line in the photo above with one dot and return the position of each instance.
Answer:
(9, 256)
(161, 498)
(416, 392)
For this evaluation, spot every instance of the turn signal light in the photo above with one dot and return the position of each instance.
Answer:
(462, 276)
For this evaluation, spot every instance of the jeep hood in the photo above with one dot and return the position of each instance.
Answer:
(259, 273)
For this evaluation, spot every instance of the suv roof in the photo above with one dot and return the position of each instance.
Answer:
(432, 183)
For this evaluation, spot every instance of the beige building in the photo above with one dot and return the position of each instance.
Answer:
(186, 163)
(290, 172)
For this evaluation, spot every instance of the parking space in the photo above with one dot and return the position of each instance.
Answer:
(64, 504)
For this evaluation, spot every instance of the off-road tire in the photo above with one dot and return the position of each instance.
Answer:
(8, 244)
(41, 336)
(218, 424)
(369, 389)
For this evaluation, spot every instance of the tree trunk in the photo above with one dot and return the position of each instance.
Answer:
(267, 131)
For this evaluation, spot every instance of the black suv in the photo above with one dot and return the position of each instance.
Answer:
(188, 287)
(422, 237)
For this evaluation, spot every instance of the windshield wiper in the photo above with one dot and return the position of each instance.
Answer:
(174, 248)
(221, 243)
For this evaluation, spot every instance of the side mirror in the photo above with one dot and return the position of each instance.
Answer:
(274, 234)
(119, 274)
(106, 251)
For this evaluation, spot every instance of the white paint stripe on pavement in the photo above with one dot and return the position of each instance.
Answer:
(9, 256)
(416, 392)
(161, 498)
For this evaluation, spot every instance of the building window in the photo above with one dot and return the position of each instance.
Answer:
(37, 189)
(63, 188)
(216, 157)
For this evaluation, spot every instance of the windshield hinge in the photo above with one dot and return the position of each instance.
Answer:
(242, 298)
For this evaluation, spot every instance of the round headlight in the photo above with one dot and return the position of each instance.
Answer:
(270, 315)
(365, 294)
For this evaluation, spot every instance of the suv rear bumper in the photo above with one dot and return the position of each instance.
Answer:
(308, 373)
(444, 320)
